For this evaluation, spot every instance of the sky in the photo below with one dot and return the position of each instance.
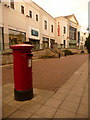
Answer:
(67, 7)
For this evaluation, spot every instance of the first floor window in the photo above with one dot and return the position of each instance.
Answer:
(36, 17)
(30, 14)
(45, 24)
(52, 28)
(22, 9)
(12, 4)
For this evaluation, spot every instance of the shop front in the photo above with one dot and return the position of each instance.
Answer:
(52, 43)
(45, 43)
(36, 43)
(72, 44)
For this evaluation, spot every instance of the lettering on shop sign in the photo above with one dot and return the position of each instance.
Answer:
(29, 63)
(58, 29)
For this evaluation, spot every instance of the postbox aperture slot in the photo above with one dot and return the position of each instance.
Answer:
(30, 55)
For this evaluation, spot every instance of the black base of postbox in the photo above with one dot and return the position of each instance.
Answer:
(23, 95)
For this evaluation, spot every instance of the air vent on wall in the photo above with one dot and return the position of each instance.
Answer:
(6, 5)
(27, 16)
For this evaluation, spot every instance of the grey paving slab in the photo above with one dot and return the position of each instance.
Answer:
(64, 91)
(40, 99)
(59, 96)
(17, 103)
(20, 114)
(30, 107)
(46, 111)
(53, 102)
(76, 93)
(46, 93)
(81, 116)
(7, 110)
(73, 99)
(83, 109)
(36, 91)
(84, 101)
(61, 113)
(8, 98)
(7, 89)
(36, 116)
(8, 85)
(69, 106)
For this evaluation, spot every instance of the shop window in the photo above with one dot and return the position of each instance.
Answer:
(45, 42)
(36, 44)
(30, 14)
(22, 9)
(12, 4)
(45, 24)
(16, 37)
(36, 17)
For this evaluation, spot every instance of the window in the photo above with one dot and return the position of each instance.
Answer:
(34, 33)
(12, 4)
(64, 30)
(22, 9)
(36, 44)
(16, 37)
(72, 33)
(45, 24)
(30, 14)
(52, 28)
(1, 39)
(36, 17)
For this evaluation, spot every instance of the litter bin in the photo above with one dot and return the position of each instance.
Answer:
(22, 59)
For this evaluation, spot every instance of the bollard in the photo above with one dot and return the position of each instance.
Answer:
(22, 59)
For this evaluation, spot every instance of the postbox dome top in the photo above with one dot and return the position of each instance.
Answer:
(22, 46)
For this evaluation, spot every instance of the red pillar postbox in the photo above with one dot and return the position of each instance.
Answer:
(22, 58)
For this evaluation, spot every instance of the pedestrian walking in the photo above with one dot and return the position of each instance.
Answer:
(59, 55)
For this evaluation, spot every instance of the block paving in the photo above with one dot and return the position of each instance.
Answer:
(69, 101)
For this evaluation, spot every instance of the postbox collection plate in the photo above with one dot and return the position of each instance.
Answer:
(29, 63)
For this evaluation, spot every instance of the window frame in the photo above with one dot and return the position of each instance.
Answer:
(64, 30)
(22, 9)
(36, 17)
(52, 28)
(12, 4)
(18, 32)
(45, 24)
(30, 13)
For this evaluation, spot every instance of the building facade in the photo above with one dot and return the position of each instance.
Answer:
(83, 37)
(25, 21)
(67, 31)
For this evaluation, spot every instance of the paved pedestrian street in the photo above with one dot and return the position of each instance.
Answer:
(69, 101)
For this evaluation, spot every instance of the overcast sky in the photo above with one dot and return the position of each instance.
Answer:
(67, 7)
